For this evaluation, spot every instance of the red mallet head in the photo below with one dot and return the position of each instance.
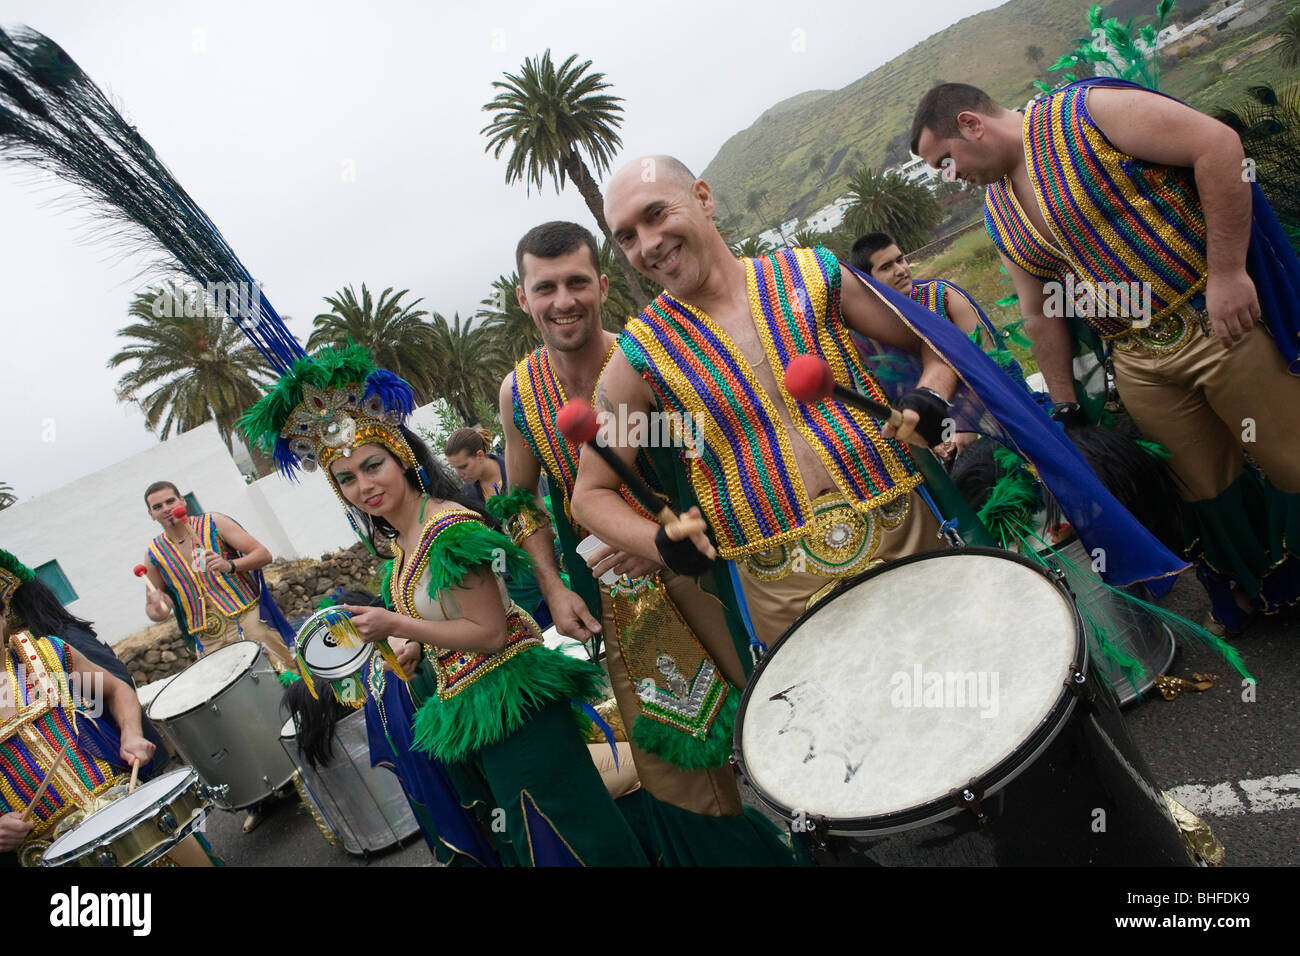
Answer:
(809, 379)
(179, 511)
(577, 422)
(140, 570)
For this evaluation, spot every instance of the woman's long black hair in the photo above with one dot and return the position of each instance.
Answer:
(39, 611)
(438, 482)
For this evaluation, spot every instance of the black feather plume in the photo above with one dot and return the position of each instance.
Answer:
(54, 117)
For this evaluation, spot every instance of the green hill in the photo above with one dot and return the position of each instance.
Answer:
(869, 120)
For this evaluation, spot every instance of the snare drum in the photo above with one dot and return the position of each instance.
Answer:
(137, 828)
(363, 805)
(940, 710)
(330, 647)
(222, 714)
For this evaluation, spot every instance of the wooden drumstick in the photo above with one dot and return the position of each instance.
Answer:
(49, 778)
(577, 422)
(141, 571)
(135, 772)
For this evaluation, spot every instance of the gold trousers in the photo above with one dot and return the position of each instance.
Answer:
(1211, 406)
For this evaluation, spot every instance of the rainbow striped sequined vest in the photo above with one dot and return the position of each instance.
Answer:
(1119, 221)
(932, 294)
(741, 465)
(36, 671)
(537, 397)
(227, 594)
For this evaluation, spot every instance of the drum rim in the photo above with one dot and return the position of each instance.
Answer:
(339, 671)
(197, 707)
(996, 777)
(108, 836)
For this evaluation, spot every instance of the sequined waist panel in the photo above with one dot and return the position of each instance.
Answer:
(843, 541)
(459, 669)
(1165, 335)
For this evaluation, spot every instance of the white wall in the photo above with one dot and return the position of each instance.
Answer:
(98, 529)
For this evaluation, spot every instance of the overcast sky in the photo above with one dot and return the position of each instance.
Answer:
(336, 143)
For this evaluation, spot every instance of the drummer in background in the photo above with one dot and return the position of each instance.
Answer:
(35, 608)
(207, 571)
(39, 715)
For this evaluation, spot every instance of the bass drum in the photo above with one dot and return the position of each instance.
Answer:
(222, 714)
(364, 806)
(912, 719)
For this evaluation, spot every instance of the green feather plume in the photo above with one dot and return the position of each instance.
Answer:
(467, 545)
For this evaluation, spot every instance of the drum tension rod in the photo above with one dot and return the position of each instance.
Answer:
(1078, 684)
(971, 798)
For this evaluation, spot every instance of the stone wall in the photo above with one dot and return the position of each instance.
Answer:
(298, 586)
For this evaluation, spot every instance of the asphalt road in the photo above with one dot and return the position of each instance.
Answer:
(1234, 761)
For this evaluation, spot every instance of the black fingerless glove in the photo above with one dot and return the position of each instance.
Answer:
(682, 556)
(1069, 414)
(934, 412)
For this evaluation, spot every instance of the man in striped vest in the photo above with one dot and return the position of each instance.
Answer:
(203, 569)
(1136, 215)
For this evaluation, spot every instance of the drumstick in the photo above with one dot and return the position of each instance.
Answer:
(141, 571)
(196, 554)
(809, 379)
(49, 778)
(135, 772)
(577, 422)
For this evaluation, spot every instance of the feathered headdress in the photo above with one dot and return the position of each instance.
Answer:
(13, 575)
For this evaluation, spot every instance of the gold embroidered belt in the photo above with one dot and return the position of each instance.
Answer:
(843, 540)
(1165, 335)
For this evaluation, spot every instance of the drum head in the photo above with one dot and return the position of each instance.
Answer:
(119, 814)
(914, 680)
(204, 679)
(331, 646)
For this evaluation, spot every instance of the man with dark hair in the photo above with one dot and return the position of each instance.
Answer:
(650, 615)
(939, 109)
(1133, 212)
(551, 240)
(207, 570)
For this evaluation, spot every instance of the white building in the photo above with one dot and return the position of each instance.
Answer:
(829, 217)
(85, 537)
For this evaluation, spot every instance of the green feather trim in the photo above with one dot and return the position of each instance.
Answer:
(1180, 626)
(687, 752)
(288, 677)
(511, 503)
(1012, 501)
(15, 567)
(467, 545)
(1154, 448)
(385, 577)
(325, 368)
(497, 704)
(1014, 334)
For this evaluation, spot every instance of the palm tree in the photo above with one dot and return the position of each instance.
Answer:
(394, 332)
(549, 117)
(805, 239)
(7, 496)
(751, 248)
(754, 202)
(886, 202)
(621, 304)
(467, 363)
(511, 326)
(817, 163)
(194, 365)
